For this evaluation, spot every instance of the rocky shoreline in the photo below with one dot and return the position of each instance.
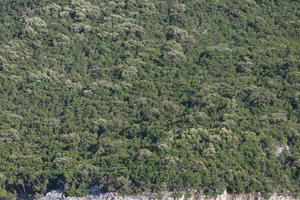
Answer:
(56, 195)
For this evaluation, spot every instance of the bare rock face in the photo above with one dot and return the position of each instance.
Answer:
(96, 195)
(54, 195)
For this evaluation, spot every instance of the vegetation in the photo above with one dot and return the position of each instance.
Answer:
(145, 95)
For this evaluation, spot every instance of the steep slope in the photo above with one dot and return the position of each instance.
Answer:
(149, 95)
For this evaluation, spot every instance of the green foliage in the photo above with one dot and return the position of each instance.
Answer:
(143, 95)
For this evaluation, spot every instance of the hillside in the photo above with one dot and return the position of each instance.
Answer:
(149, 95)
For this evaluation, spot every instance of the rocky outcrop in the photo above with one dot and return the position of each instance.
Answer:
(56, 195)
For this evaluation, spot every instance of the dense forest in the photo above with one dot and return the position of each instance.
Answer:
(149, 95)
